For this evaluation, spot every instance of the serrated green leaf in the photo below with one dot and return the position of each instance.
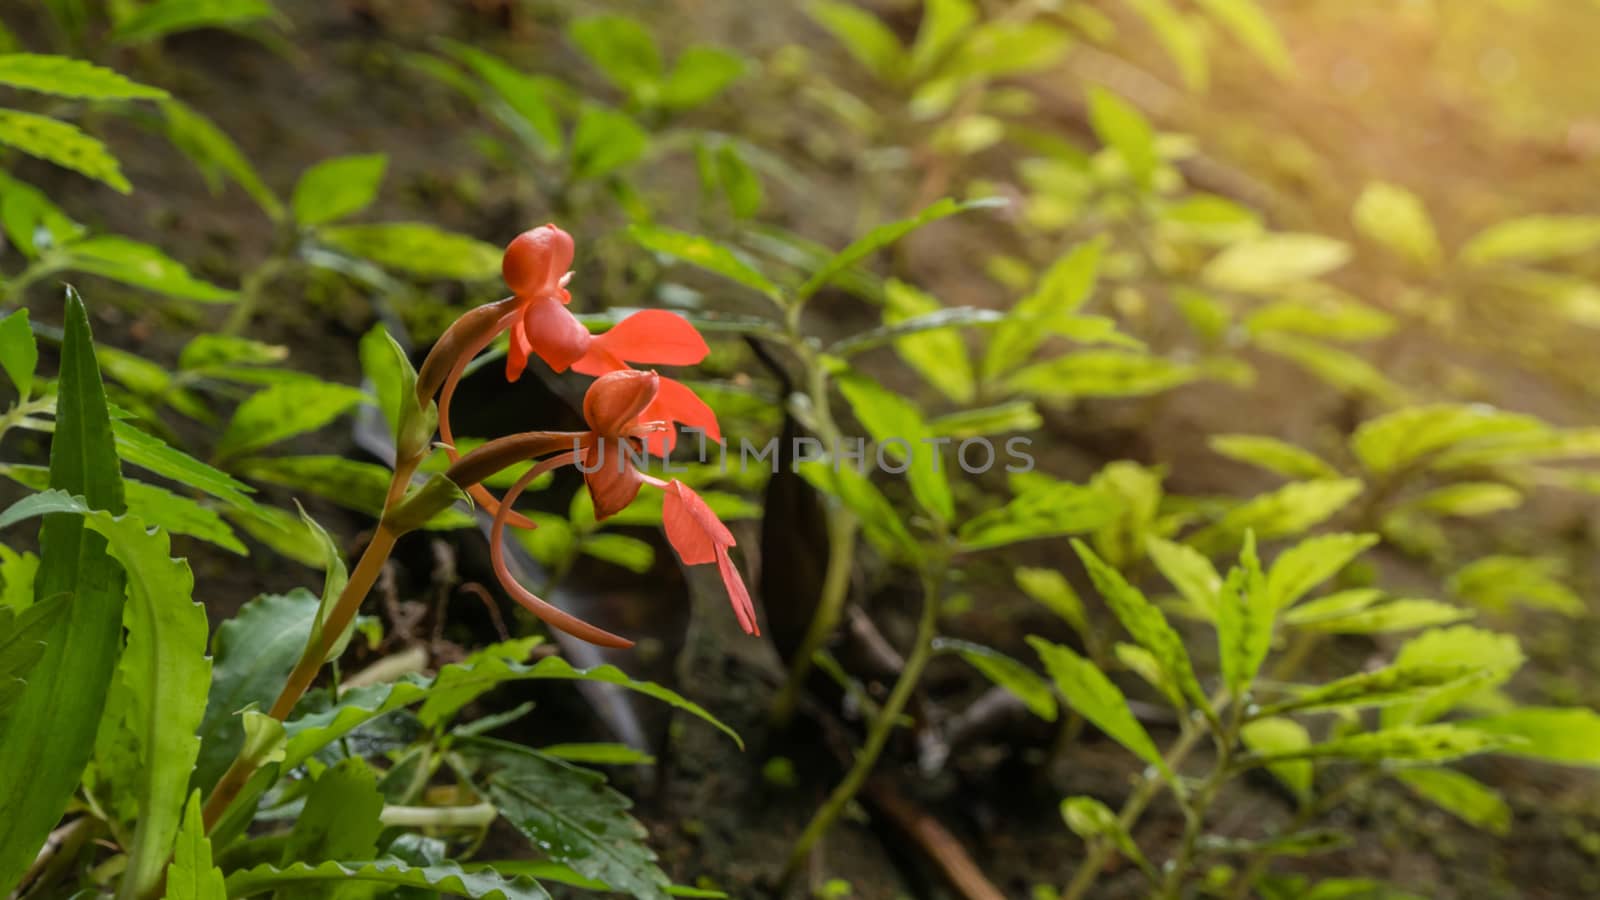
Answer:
(446, 877)
(337, 188)
(1500, 581)
(1469, 499)
(1189, 571)
(856, 491)
(882, 236)
(1464, 797)
(1402, 745)
(417, 249)
(283, 411)
(1497, 656)
(1101, 373)
(1337, 367)
(1051, 589)
(572, 816)
(1322, 315)
(1291, 509)
(50, 730)
(64, 76)
(1021, 681)
(938, 355)
(1282, 738)
(1274, 455)
(1301, 568)
(1394, 615)
(142, 266)
(1383, 687)
(893, 421)
(1406, 437)
(191, 875)
(1245, 613)
(1570, 737)
(1061, 291)
(1086, 689)
(63, 144)
(706, 254)
(1144, 622)
(1051, 510)
(161, 688)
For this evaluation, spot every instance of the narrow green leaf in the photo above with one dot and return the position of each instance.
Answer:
(417, 249)
(1189, 571)
(1462, 796)
(142, 266)
(1051, 589)
(445, 878)
(705, 254)
(1252, 27)
(216, 155)
(50, 731)
(863, 35)
(857, 492)
(1101, 373)
(1123, 128)
(63, 144)
(1383, 687)
(1309, 563)
(529, 100)
(1245, 613)
(336, 188)
(1402, 745)
(1395, 615)
(938, 355)
(165, 17)
(1290, 510)
(1407, 437)
(1397, 219)
(1061, 291)
(139, 448)
(1274, 455)
(1092, 820)
(893, 421)
(1533, 239)
(1282, 738)
(1021, 681)
(1086, 689)
(1273, 261)
(884, 235)
(701, 74)
(1144, 621)
(1570, 737)
(335, 577)
(1497, 656)
(64, 76)
(620, 47)
(600, 754)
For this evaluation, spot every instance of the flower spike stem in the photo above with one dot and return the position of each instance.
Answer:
(882, 726)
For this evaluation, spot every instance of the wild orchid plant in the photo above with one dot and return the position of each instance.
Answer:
(632, 414)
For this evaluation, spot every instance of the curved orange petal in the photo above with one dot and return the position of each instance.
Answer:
(675, 402)
(517, 353)
(612, 404)
(699, 537)
(554, 333)
(656, 337)
(553, 616)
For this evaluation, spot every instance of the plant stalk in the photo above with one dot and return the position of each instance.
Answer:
(882, 726)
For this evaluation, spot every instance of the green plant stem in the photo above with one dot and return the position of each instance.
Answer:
(1307, 814)
(11, 291)
(1195, 820)
(1100, 853)
(842, 528)
(882, 726)
(250, 292)
(355, 591)
(478, 815)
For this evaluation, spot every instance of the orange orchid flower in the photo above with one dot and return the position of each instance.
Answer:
(615, 408)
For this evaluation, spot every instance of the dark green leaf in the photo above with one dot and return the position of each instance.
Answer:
(165, 17)
(283, 411)
(1033, 691)
(64, 76)
(338, 187)
(63, 144)
(1086, 689)
(1144, 621)
(19, 353)
(51, 729)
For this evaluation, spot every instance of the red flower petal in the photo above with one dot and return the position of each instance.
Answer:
(614, 401)
(554, 333)
(653, 336)
(536, 260)
(675, 402)
(700, 537)
(612, 479)
(517, 355)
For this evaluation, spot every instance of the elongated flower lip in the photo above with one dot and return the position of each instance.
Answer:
(615, 400)
(699, 537)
